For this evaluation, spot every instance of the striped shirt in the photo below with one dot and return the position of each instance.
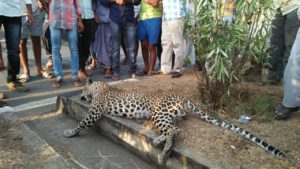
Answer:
(173, 9)
(12, 8)
(63, 13)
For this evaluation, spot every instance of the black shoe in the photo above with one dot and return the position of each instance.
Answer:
(270, 82)
(283, 113)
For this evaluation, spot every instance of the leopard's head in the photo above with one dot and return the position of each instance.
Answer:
(92, 88)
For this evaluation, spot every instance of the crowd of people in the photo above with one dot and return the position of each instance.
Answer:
(99, 29)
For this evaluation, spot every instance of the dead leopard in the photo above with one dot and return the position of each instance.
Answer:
(163, 109)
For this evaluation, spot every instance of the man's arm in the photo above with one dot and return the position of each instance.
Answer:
(29, 11)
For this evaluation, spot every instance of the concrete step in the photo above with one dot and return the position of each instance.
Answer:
(91, 151)
(135, 137)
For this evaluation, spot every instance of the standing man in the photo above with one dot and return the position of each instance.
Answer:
(291, 99)
(284, 30)
(34, 32)
(148, 32)
(10, 18)
(122, 25)
(65, 16)
(172, 39)
(85, 37)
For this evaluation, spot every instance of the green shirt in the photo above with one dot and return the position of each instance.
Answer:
(149, 12)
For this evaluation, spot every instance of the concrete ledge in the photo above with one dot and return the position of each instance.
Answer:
(135, 137)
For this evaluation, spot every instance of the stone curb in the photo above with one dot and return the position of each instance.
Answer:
(135, 137)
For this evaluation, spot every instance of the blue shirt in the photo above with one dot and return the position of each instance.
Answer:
(173, 9)
(86, 9)
(118, 13)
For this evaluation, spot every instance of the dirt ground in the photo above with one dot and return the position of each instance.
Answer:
(222, 145)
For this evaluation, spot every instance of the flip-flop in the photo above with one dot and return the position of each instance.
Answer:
(58, 82)
(142, 73)
(153, 73)
(46, 75)
(24, 78)
(115, 76)
(176, 74)
(108, 73)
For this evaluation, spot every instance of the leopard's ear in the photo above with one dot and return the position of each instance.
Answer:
(89, 81)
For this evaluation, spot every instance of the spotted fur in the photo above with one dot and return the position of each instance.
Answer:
(163, 109)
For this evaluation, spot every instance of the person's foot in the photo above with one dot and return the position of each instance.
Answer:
(283, 113)
(76, 82)
(49, 64)
(176, 74)
(124, 61)
(133, 76)
(58, 82)
(108, 73)
(82, 74)
(2, 96)
(24, 78)
(142, 73)
(270, 82)
(115, 76)
(17, 87)
(45, 74)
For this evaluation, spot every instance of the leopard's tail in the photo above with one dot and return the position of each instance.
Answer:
(278, 153)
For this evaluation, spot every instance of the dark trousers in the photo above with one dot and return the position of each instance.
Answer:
(12, 28)
(85, 39)
(283, 35)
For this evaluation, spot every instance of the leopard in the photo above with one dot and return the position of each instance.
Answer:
(164, 109)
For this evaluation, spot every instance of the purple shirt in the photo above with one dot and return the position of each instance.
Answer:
(63, 13)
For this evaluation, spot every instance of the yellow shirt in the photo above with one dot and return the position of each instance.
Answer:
(286, 6)
(228, 7)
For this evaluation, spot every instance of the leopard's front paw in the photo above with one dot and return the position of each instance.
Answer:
(161, 159)
(70, 133)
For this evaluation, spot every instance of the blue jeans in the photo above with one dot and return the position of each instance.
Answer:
(72, 38)
(12, 29)
(127, 31)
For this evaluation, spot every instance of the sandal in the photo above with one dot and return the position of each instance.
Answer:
(77, 82)
(153, 73)
(46, 75)
(24, 78)
(115, 76)
(108, 73)
(283, 113)
(142, 73)
(49, 65)
(58, 82)
(176, 74)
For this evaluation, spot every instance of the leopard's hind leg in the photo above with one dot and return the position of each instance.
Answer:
(168, 132)
(93, 115)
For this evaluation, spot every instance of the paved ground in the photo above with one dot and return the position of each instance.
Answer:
(42, 88)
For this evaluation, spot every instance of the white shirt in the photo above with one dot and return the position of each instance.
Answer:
(86, 9)
(12, 8)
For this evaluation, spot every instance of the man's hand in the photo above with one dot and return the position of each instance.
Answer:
(80, 25)
(120, 2)
(29, 14)
(97, 19)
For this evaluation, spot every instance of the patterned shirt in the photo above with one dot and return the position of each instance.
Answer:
(228, 7)
(63, 13)
(12, 8)
(149, 12)
(173, 9)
